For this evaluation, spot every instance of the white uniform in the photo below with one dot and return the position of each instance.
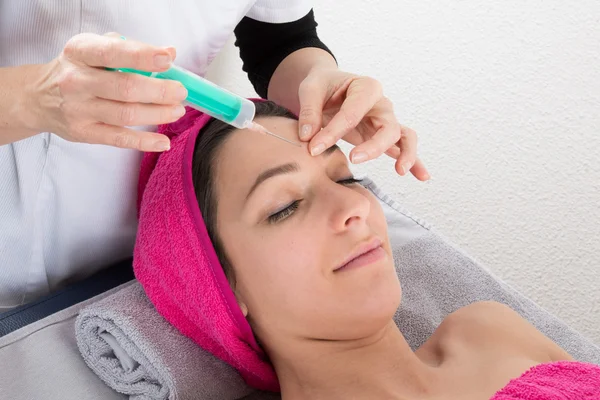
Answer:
(68, 209)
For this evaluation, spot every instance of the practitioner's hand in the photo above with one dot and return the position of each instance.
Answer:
(74, 97)
(353, 108)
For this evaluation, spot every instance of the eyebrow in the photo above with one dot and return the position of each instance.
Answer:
(283, 169)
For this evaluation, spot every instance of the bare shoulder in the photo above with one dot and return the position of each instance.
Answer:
(489, 314)
(496, 326)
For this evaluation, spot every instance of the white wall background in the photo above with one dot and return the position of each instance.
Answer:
(505, 97)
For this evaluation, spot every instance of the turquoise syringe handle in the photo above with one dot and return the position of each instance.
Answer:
(207, 97)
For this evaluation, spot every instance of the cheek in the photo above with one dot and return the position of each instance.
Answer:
(377, 219)
(274, 263)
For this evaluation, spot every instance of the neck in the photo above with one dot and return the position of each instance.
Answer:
(380, 366)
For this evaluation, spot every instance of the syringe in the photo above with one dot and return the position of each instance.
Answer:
(219, 103)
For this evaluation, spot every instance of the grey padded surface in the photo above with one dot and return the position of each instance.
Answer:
(42, 361)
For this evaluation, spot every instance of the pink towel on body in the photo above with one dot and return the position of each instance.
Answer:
(176, 263)
(564, 380)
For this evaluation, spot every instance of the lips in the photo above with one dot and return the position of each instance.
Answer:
(364, 254)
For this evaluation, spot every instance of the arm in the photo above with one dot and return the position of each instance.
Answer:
(75, 98)
(283, 87)
(278, 57)
(290, 65)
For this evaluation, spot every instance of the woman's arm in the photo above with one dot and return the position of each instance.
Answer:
(278, 57)
(72, 97)
(289, 64)
(284, 84)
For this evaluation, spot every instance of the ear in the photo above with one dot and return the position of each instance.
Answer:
(241, 303)
(244, 308)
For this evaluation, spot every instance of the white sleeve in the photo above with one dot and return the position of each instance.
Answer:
(279, 11)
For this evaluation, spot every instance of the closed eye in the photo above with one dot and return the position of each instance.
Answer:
(293, 206)
(349, 181)
(284, 213)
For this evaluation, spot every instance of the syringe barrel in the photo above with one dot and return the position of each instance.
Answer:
(207, 97)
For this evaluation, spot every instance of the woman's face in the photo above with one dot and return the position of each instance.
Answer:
(288, 221)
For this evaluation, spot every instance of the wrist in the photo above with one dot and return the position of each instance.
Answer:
(283, 87)
(323, 65)
(19, 118)
(28, 111)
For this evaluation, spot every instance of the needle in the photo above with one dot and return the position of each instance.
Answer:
(259, 128)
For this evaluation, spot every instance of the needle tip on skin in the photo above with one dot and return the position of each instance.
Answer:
(282, 138)
(259, 128)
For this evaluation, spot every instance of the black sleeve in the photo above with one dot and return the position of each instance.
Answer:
(263, 46)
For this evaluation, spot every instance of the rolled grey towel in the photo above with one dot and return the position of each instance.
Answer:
(135, 351)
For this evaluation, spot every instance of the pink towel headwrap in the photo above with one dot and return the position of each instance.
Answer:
(176, 263)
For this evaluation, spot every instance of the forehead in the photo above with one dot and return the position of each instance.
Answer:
(281, 126)
(247, 153)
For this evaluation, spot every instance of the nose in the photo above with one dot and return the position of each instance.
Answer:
(349, 208)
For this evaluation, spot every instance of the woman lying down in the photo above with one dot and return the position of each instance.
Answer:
(279, 263)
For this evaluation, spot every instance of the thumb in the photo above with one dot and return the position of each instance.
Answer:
(170, 49)
(115, 35)
(172, 52)
(312, 95)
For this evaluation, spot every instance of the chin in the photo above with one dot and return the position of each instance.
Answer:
(367, 313)
(383, 303)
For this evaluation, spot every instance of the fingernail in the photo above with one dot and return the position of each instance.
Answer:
(181, 93)
(318, 149)
(359, 157)
(162, 145)
(405, 168)
(427, 177)
(162, 61)
(178, 112)
(305, 131)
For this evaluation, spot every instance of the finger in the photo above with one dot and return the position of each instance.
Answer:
(112, 52)
(361, 97)
(408, 151)
(118, 136)
(312, 96)
(133, 88)
(382, 140)
(393, 152)
(419, 171)
(132, 114)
